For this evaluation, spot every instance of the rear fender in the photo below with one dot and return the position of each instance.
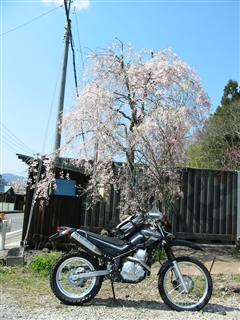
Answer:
(62, 232)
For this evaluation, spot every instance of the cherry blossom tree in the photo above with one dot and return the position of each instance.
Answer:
(19, 186)
(41, 178)
(129, 125)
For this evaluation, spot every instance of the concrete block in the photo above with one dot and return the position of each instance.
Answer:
(14, 257)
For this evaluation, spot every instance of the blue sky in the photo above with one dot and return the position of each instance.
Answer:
(205, 34)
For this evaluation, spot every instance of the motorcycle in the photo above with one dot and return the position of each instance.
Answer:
(184, 283)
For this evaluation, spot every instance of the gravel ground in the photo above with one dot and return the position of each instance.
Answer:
(140, 301)
(128, 306)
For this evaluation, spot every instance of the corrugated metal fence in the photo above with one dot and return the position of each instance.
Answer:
(210, 209)
(208, 213)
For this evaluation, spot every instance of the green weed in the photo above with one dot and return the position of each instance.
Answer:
(43, 263)
(158, 256)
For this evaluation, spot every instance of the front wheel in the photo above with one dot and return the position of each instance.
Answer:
(197, 280)
(66, 281)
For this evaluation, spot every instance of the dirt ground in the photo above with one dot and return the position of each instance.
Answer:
(221, 261)
(217, 258)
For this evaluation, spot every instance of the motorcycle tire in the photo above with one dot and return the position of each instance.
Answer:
(65, 282)
(197, 280)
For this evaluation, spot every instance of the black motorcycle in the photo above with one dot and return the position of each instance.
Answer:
(184, 283)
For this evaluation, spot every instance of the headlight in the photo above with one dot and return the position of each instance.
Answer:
(154, 214)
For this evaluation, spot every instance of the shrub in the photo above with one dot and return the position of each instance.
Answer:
(43, 263)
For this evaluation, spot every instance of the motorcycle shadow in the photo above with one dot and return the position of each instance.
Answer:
(219, 308)
(138, 304)
(210, 308)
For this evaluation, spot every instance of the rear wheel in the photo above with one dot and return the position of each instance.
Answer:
(66, 281)
(197, 280)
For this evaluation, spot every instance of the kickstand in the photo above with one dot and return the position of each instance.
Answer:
(114, 297)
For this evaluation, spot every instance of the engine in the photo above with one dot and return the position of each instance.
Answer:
(133, 270)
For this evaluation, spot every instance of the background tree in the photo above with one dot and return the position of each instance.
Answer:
(218, 144)
(132, 116)
(19, 186)
(196, 158)
(231, 93)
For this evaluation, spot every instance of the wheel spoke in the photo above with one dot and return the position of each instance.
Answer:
(67, 283)
(197, 282)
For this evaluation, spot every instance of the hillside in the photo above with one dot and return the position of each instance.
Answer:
(9, 177)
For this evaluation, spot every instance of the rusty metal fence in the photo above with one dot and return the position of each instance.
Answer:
(208, 213)
(210, 208)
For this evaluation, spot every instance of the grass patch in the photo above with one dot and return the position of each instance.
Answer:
(22, 283)
(238, 253)
(238, 278)
(42, 264)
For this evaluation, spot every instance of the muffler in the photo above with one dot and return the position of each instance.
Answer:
(84, 243)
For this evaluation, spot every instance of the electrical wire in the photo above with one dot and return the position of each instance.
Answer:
(50, 112)
(72, 44)
(7, 146)
(7, 135)
(29, 21)
(79, 43)
(80, 47)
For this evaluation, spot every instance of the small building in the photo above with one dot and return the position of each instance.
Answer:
(6, 194)
(10, 200)
(67, 206)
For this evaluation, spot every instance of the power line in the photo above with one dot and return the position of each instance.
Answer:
(50, 112)
(7, 146)
(29, 21)
(7, 142)
(19, 173)
(79, 43)
(72, 44)
(74, 67)
(13, 139)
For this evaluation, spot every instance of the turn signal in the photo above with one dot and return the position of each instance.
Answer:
(167, 226)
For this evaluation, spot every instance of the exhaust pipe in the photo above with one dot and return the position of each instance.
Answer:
(140, 262)
(84, 243)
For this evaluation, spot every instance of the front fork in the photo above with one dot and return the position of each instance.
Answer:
(176, 269)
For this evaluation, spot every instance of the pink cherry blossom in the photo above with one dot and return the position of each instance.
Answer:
(133, 116)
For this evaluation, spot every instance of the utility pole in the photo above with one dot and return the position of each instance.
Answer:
(57, 141)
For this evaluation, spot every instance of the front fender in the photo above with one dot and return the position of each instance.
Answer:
(164, 266)
(178, 243)
(184, 243)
